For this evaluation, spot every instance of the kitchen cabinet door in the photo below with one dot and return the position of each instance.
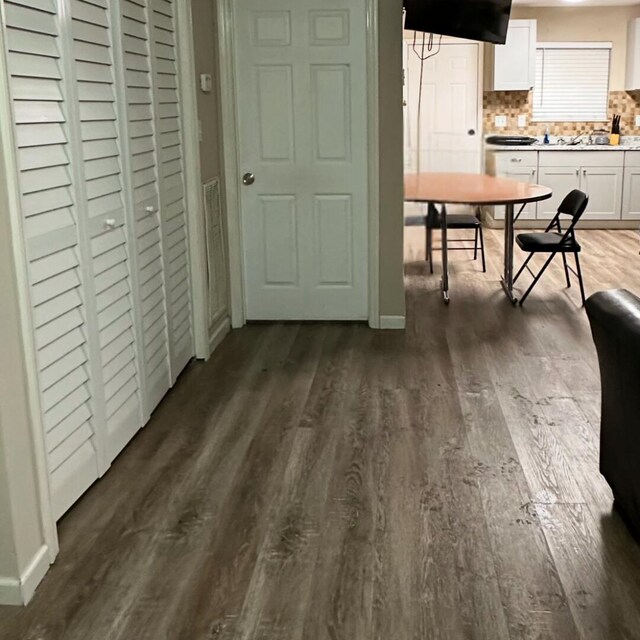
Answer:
(631, 194)
(521, 174)
(514, 67)
(561, 180)
(604, 188)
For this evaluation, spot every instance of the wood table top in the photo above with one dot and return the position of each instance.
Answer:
(470, 188)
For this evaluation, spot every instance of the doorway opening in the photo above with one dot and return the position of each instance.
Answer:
(442, 127)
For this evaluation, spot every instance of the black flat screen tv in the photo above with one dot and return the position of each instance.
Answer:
(484, 20)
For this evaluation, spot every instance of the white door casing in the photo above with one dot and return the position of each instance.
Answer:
(441, 139)
(301, 78)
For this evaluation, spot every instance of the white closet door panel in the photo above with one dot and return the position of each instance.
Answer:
(69, 446)
(31, 17)
(62, 431)
(66, 366)
(68, 321)
(50, 215)
(103, 174)
(79, 470)
(35, 89)
(145, 179)
(38, 158)
(172, 202)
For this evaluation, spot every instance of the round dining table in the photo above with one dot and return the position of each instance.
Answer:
(475, 190)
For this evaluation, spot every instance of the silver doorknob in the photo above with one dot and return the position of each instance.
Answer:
(248, 179)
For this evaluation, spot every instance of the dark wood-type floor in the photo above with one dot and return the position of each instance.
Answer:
(327, 482)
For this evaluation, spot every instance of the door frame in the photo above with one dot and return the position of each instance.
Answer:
(448, 41)
(197, 251)
(232, 170)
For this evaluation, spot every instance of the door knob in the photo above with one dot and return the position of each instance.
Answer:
(248, 179)
(472, 132)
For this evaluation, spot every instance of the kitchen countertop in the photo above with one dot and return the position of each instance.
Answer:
(563, 147)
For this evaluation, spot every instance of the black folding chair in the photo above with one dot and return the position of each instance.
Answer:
(455, 221)
(556, 241)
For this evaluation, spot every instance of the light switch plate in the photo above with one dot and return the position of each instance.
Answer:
(637, 121)
(522, 121)
(206, 82)
(501, 121)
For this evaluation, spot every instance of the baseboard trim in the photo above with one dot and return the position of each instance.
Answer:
(218, 333)
(19, 592)
(393, 322)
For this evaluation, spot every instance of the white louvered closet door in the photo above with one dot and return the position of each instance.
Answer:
(99, 153)
(146, 198)
(102, 183)
(51, 227)
(172, 192)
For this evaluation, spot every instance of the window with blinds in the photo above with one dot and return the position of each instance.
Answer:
(572, 82)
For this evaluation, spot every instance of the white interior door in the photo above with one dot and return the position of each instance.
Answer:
(301, 86)
(447, 134)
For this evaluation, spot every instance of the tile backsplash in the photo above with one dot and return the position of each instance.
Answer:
(515, 103)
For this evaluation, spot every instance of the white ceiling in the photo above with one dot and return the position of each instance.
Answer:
(575, 3)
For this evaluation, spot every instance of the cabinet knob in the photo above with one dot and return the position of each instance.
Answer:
(150, 209)
(110, 223)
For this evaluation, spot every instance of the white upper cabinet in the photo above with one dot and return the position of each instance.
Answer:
(633, 56)
(512, 66)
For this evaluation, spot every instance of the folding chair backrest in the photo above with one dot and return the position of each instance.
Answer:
(574, 205)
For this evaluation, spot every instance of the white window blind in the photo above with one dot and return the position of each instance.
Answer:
(572, 82)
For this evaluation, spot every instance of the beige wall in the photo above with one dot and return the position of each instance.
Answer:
(392, 300)
(205, 48)
(21, 531)
(602, 24)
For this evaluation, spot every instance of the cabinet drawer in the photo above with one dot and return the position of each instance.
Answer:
(506, 160)
(632, 159)
(581, 159)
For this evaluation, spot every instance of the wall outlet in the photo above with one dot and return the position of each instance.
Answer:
(522, 121)
(637, 121)
(501, 122)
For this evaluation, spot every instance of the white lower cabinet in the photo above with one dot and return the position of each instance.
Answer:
(98, 151)
(631, 188)
(521, 174)
(631, 194)
(521, 166)
(561, 181)
(604, 188)
(600, 174)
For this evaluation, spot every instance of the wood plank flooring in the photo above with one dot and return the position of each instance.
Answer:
(328, 482)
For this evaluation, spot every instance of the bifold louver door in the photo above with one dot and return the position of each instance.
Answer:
(52, 237)
(146, 198)
(102, 181)
(172, 182)
(99, 155)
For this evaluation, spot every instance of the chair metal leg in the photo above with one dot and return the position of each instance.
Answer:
(475, 246)
(566, 270)
(484, 261)
(535, 280)
(523, 267)
(580, 280)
